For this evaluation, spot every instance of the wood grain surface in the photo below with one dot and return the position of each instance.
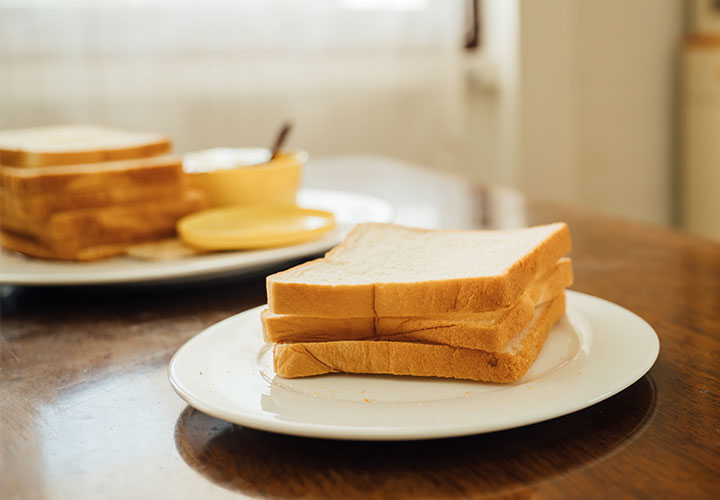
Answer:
(87, 411)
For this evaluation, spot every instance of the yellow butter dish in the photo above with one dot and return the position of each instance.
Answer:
(238, 176)
(244, 227)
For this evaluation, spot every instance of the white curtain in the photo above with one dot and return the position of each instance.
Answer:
(373, 76)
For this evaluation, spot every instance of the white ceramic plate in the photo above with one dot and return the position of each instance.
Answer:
(597, 350)
(349, 209)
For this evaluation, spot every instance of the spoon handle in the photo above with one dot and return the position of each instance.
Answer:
(280, 140)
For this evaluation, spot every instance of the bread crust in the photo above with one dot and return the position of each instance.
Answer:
(490, 330)
(42, 206)
(420, 298)
(420, 359)
(136, 145)
(34, 248)
(126, 175)
(85, 234)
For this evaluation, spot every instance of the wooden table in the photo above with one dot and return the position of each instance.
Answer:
(87, 411)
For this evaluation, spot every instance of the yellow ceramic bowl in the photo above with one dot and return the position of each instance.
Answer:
(245, 176)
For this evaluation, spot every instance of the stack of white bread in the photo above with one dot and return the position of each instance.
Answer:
(472, 305)
(85, 192)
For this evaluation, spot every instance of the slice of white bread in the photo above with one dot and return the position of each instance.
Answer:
(37, 207)
(391, 271)
(68, 234)
(124, 174)
(167, 249)
(491, 330)
(74, 144)
(421, 359)
(34, 248)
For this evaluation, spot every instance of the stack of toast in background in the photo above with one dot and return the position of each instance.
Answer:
(86, 192)
(460, 304)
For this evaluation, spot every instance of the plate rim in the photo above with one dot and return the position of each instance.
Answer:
(377, 433)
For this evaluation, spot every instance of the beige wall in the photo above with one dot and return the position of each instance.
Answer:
(588, 98)
(700, 158)
(230, 72)
(570, 100)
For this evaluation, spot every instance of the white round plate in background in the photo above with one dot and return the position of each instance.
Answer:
(349, 209)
